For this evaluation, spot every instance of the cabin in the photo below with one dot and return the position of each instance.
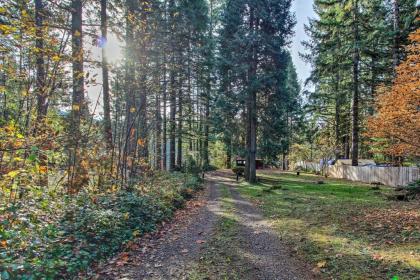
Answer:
(241, 162)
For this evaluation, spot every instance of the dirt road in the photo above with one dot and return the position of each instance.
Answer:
(223, 237)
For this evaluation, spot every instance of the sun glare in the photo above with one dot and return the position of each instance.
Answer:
(113, 49)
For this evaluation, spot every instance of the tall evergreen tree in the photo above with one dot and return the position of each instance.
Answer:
(352, 51)
(262, 32)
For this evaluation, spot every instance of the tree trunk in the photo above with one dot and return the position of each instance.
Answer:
(158, 125)
(78, 107)
(180, 124)
(190, 94)
(396, 46)
(337, 116)
(164, 123)
(346, 141)
(253, 139)
(355, 105)
(142, 121)
(105, 78)
(42, 100)
(284, 161)
(247, 139)
(172, 94)
(206, 160)
(78, 175)
(190, 103)
(373, 84)
(131, 110)
(172, 121)
(252, 107)
(142, 64)
(200, 133)
(164, 96)
(229, 154)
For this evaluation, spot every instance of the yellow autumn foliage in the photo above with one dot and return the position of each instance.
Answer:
(396, 125)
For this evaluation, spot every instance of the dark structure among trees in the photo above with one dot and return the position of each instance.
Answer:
(241, 162)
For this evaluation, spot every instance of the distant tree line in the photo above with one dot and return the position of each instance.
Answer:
(355, 47)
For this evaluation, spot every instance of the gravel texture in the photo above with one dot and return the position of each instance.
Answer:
(172, 254)
(178, 252)
(261, 251)
(262, 248)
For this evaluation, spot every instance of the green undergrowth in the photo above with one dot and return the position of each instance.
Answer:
(48, 235)
(347, 230)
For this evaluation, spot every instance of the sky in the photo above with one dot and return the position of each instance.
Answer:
(114, 53)
(303, 10)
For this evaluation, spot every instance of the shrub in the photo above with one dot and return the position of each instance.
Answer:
(56, 236)
(191, 166)
(193, 182)
(211, 168)
(413, 190)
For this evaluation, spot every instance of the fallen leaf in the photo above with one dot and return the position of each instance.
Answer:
(316, 270)
(377, 257)
(321, 264)
(122, 260)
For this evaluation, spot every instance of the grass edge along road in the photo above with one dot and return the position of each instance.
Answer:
(347, 230)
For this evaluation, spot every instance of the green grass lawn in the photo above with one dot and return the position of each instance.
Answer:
(347, 230)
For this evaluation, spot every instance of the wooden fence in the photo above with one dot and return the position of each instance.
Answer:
(308, 166)
(390, 176)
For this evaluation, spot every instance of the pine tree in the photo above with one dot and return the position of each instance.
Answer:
(263, 31)
(345, 86)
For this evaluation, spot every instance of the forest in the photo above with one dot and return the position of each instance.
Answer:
(121, 121)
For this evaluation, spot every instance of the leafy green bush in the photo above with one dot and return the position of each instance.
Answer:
(191, 185)
(211, 168)
(56, 236)
(191, 166)
(413, 190)
(193, 182)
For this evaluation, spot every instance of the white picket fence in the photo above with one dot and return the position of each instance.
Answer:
(390, 176)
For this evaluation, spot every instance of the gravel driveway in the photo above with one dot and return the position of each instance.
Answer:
(177, 252)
